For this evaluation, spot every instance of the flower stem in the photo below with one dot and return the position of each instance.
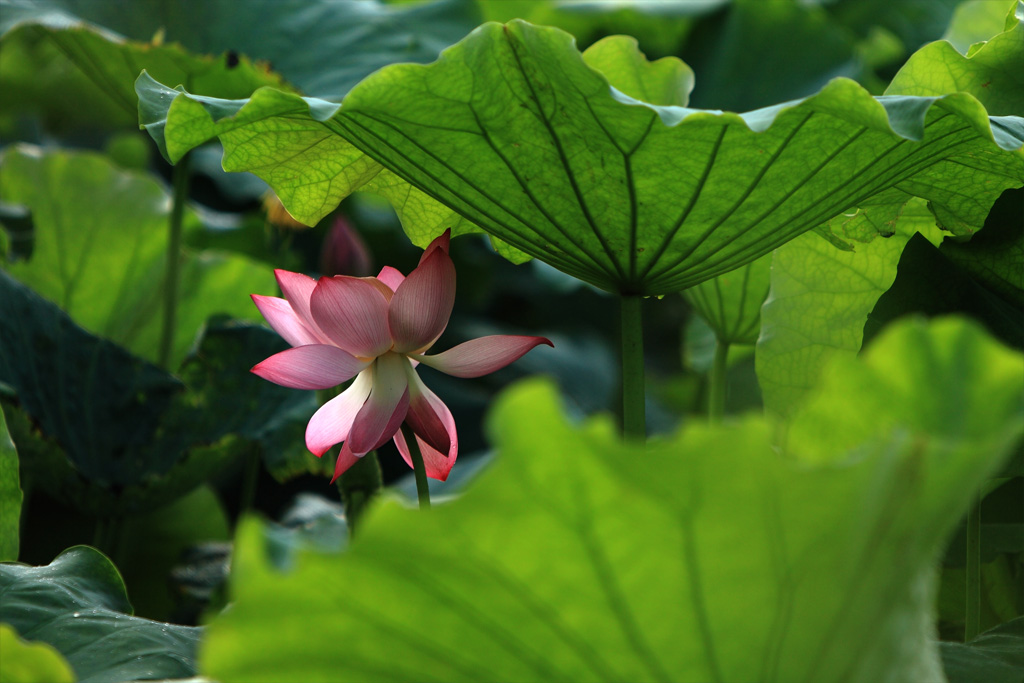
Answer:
(250, 478)
(632, 336)
(418, 468)
(358, 485)
(972, 626)
(179, 181)
(716, 392)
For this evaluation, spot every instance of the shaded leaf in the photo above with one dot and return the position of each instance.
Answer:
(24, 662)
(710, 557)
(92, 69)
(519, 136)
(996, 656)
(928, 283)
(78, 605)
(102, 404)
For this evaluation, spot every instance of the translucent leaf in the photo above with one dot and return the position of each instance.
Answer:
(99, 251)
(707, 556)
(731, 303)
(518, 135)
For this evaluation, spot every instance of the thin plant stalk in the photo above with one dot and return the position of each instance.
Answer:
(718, 382)
(418, 468)
(972, 625)
(179, 181)
(250, 479)
(359, 485)
(632, 335)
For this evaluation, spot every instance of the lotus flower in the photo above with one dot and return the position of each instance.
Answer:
(377, 329)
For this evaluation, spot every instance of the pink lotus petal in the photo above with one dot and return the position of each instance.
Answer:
(440, 242)
(333, 422)
(423, 303)
(423, 418)
(284, 321)
(437, 464)
(483, 355)
(353, 314)
(392, 277)
(317, 366)
(381, 287)
(297, 290)
(346, 458)
(386, 407)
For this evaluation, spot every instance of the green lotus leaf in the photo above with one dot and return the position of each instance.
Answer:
(731, 303)
(517, 134)
(993, 72)
(99, 251)
(78, 605)
(24, 662)
(996, 656)
(819, 302)
(94, 69)
(710, 556)
(10, 495)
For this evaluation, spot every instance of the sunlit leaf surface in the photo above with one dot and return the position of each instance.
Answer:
(515, 132)
(731, 303)
(823, 573)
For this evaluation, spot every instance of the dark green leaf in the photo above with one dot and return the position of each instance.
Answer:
(996, 656)
(78, 604)
(100, 403)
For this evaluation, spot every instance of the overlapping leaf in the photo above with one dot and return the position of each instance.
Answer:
(731, 303)
(10, 495)
(514, 130)
(78, 605)
(99, 251)
(821, 574)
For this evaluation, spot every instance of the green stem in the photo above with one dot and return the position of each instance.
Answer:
(716, 392)
(632, 335)
(972, 625)
(418, 468)
(358, 485)
(250, 479)
(179, 181)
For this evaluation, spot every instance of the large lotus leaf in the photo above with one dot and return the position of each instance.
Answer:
(731, 303)
(73, 72)
(818, 304)
(993, 72)
(10, 495)
(514, 131)
(706, 556)
(100, 242)
(23, 662)
(78, 604)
